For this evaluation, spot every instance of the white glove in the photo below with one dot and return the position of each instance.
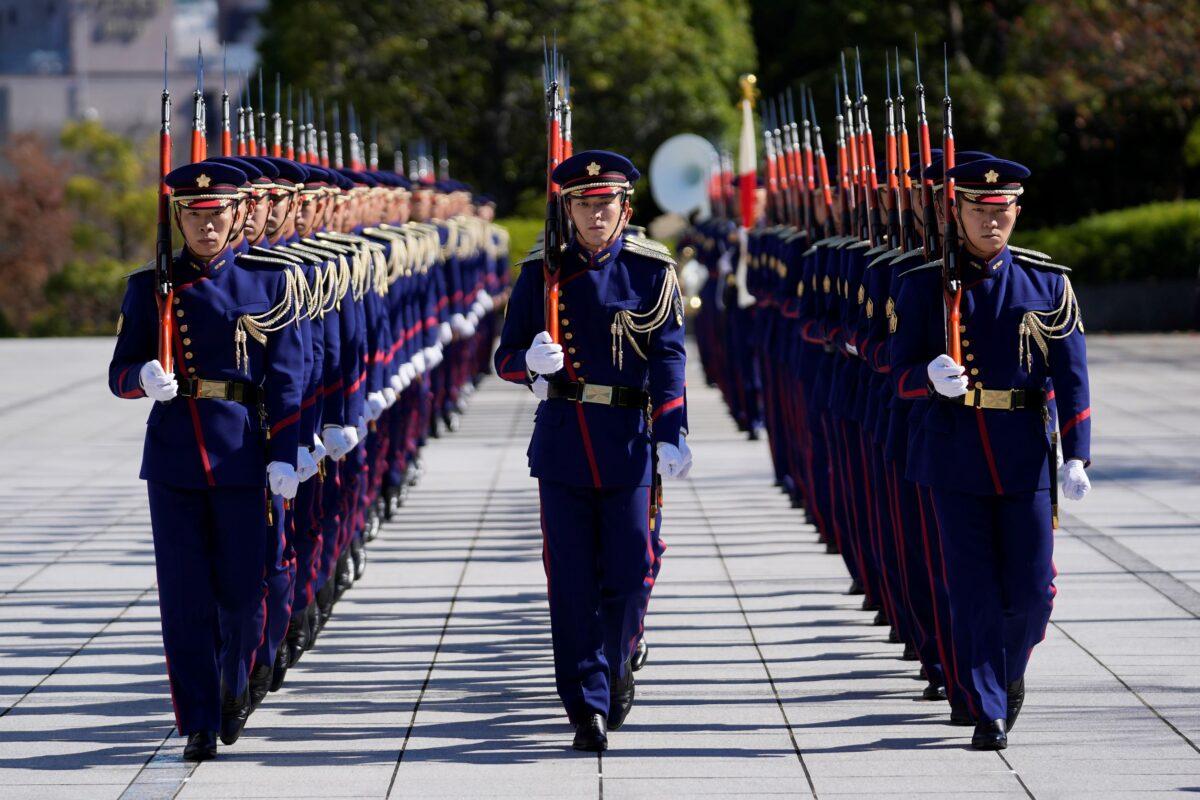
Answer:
(283, 480)
(158, 385)
(389, 397)
(374, 406)
(948, 378)
(544, 356)
(1074, 480)
(541, 388)
(361, 430)
(408, 373)
(478, 310)
(671, 463)
(485, 300)
(445, 333)
(418, 362)
(468, 328)
(433, 356)
(472, 320)
(336, 442)
(397, 381)
(306, 465)
(686, 452)
(459, 323)
(318, 451)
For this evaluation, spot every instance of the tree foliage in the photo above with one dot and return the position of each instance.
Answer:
(468, 73)
(1098, 97)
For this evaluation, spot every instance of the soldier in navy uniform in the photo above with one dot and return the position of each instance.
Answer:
(610, 422)
(983, 440)
(221, 439)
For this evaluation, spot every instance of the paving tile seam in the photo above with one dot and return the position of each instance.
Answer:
(754, 640)
(1128, 688)
(1140, 567)
(497, 471)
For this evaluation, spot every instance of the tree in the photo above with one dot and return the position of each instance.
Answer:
(468, 73)
(33, 218)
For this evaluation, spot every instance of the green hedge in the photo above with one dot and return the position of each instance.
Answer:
(1160, 241)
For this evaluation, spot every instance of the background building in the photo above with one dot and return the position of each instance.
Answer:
(103, 59)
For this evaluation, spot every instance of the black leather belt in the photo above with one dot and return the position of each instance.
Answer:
(615, 396)
(204, 389)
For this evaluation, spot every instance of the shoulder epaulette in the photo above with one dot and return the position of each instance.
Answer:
(149, 265)
(876, 250)
(650, 248)
(277, 252)
(888, 256)
(1037, 263)
(534, 255)
(799, 234)
(257, 260)
(1025, 251)
(857, 244)
(937, 262)
(908, 254)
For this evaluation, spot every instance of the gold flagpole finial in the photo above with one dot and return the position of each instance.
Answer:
(748, 83)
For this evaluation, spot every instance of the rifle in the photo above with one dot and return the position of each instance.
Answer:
(822, 174)
(951, 280)
(866, 139)
(162, 247)
(568, 147)
(891, 160)
(908, 226)
(262, 114)
(338, 162)
(804, 162)
(843, 162)
(551, 240)
(242, 149)
(198, 109)
(772, 165)
(276, 123)
(291, 129)
(251, 141)
(226, 139)
(928, 215)
(323, 135)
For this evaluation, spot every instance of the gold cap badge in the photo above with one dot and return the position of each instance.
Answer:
(991, 176)
(593, 169)
(203, 181)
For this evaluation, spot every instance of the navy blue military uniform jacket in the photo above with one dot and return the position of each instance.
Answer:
(586, 444)
(979, 450)
(197, 443)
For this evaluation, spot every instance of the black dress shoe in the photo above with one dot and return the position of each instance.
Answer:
(621, 700)
(1016, 699)
(297, 636)
(831, 548)
(312, 624)
(855, 587)
(591, 735)
(910, 652)
(279, 670)
(934, 692)
(343, 576)
(893, 636)
(869, 605)
(234, 713)
(325, 600)
(358, 556)
(880, 617)
(201, 746)
(260, 684)
(639, 655)
(990, 736)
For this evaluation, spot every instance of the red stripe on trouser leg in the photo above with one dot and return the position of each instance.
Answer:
(951, 667)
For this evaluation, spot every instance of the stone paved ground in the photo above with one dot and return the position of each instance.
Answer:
(434, 678)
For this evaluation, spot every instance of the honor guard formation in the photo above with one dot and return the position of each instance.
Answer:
(920, 381)
(323, 319)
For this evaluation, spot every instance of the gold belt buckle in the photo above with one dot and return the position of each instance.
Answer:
(210, 390)
(595, 393)
(996, 399)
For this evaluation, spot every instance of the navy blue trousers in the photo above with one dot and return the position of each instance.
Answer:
(600, 563)
(280, 559)
(208, 556)
(1000, 578)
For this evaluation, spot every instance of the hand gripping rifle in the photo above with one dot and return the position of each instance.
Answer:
(162, 248)
(951, 279)
(552, 238)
